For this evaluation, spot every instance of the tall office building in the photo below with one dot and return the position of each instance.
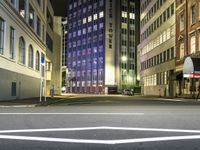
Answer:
(157, 47)
(26, 48)
(102, 44)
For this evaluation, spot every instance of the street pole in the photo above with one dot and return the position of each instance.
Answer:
(40, 85)
(45, 83)
(42, 67)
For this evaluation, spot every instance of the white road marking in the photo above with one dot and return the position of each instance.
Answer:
(99, 128)
(122, 114)
(52, 130)
(92, 141)
(172, 100)
(18, 106)
(108, 142)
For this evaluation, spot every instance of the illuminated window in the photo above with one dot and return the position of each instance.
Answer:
(192, 44)
(168, 34)
(101, 14)
(182, 22)
(181, 49)
(31, 16)
(84, 20)
(89, 18)
(22, 8)
(124, 14)
(165, 77)
(164, 36)
(132, 16)
(95, 17)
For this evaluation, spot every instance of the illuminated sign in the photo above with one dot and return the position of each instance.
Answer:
(192, 75)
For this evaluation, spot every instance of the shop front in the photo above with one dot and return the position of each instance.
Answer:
(191, 74)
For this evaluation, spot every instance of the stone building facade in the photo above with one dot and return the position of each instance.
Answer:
(157, 47)
(187, 42)
(26, 48)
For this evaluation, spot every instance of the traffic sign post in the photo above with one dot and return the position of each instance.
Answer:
(42, 78)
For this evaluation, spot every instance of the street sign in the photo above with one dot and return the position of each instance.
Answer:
(42, 60)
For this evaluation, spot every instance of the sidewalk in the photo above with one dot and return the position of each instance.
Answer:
(33, 102)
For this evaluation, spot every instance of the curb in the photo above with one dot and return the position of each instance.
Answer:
(18, 106)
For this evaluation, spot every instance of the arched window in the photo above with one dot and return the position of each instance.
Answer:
(37, 61)
(22, 50)
(30, 56)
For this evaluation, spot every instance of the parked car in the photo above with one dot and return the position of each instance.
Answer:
(128, 92)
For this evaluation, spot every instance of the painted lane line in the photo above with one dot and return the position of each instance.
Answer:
(172, 100)
(157, 139)
(153, 129)
(122, 114)
(100, 128)
(17, 106)
(107, 142)
(51, 130)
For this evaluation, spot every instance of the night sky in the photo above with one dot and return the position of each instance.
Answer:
(60, 7)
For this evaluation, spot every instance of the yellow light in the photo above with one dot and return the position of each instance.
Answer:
(130, 78)
(138, 77)
(124, 58)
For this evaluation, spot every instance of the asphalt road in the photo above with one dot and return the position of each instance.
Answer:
(113, 123)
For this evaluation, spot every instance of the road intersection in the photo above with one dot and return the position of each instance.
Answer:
(117, 124)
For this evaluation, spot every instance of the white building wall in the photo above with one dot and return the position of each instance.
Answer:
(110, 76)
(27, 79)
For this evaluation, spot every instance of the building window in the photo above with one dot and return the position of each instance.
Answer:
(89, 18)
(38, 26)
(22, 50)
(192, 44)
(182, 52)
(172, 9)
(124, 14)
(13, 2)
(22, 8)
(165, 77)
(95, 17)
(31, 16)
(193, 15)
(101, 14)
(37, 61)
(172, 53)
(84, 20)
(39, 2)
(2, 35)
(181, 22)
(12, 42)
(30, 56)
(49, 42)
(50, 19)
(14, 89)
